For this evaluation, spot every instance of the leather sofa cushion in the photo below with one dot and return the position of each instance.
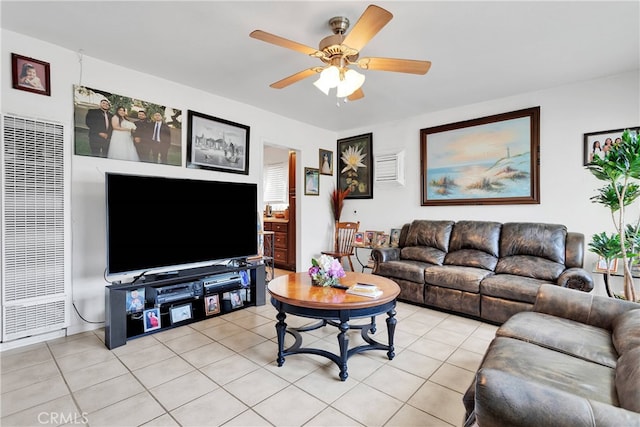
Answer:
(552, 368)
(423, 253)
(530, 266)
(412, 271)
(628, 379)
(480, 235)
(510, 287)
(626, 331)
(435, 234)
(471, 258)
(534, 239)
(574, 338)
(461, 278)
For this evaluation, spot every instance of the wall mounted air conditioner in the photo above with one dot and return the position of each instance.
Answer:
(389, 168)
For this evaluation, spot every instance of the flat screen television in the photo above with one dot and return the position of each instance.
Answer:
(162, 224)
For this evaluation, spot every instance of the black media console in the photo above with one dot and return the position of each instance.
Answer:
(179, 299)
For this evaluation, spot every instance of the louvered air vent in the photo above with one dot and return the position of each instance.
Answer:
(34, 297)
(389, 168)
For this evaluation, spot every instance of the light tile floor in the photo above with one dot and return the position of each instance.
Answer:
(222, 371)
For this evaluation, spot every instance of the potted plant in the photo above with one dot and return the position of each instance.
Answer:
(619, 169)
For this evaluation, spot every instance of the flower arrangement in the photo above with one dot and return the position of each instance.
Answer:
(325, 271)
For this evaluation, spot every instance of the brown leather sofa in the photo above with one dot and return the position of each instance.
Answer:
(572, 361)
(483, 269)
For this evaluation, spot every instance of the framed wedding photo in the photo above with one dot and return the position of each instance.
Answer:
(30, 75)
(326, 162)
(217, 144)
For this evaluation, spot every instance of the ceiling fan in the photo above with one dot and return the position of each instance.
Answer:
(339, 51)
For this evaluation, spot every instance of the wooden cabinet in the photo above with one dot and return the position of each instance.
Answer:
(281, 241)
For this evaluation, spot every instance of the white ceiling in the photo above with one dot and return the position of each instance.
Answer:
(480, 50)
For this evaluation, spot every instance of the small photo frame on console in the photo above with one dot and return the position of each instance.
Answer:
(151, 319)
(244, 277)
(180, 313)
(236, 299)
(135, 300)
(211, 305)
(602, 267)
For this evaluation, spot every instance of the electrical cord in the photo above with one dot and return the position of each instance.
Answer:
(80, 315)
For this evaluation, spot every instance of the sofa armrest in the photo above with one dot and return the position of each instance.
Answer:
(503, 399)
(581, 307)
(380, 255)
(576, 278)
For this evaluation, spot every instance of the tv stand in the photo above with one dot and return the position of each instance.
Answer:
(186, 290)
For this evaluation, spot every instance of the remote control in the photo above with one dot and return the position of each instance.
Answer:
(340, 287)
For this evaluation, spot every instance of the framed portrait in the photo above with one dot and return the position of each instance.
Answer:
(394, 237)
(487, 161)
(134, 300)
(217, 144)
(598, 143)
(311, 182)
(603, 267)
(355, 168)
(180, 313)
(236, 299)
(382, 240)
(370, 238)
(151, 319)
(154, 132)
(358, 239)
(326, 162)
(212, 304)
(30, 75)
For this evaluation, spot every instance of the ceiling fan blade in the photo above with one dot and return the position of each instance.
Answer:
(397, 65)
(295, 77)
(282, 42)
(371, 21)
(358, 94)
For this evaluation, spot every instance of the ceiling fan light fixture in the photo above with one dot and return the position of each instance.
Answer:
(352, 81)
(329, 78)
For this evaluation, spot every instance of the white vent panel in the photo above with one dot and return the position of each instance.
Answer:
(33, 227)
(389, 168)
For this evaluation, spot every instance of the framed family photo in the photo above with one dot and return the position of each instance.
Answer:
(211, 305)
(151, 319)
(326, 162)
(31, 75)
(603, 267)
(598, 143)
(355, 168)
(487, 161)
(217, 144)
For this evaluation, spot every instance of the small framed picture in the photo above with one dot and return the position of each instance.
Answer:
(370, 237)
(244, 277)
(135, 300)
(30, 75)
(236, 299)
(602, 266)
(151, 319)
(311, 182)
(382, 240)
(326, 162)
(211, 305)
(180, 313)
(358, 239)
(598, 143)
(394, 237)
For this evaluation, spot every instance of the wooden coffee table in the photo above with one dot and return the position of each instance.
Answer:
(294, 294)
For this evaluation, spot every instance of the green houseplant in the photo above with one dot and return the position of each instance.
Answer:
(619, 169)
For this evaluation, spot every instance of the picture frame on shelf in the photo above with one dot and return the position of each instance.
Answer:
(491, 160)
(151, 319)
(394, 237)
(180, 313)
(382, 240)
(211, 305)
(311, 182)
(236, 299)
(595, 142)
(358, 239)
(355, 167)
(30, 74)
(134, 300)
(217, 144)
(325, 164)
(602, 267)
(370, 238)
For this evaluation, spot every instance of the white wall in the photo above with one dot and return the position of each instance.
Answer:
(565, 187)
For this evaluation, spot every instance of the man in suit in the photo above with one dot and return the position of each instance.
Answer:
(98, 121)
(142, 137)
(160, 139)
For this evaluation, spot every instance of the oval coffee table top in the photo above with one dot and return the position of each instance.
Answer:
(296, 289)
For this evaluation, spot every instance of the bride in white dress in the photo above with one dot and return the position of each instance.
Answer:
(121, 146)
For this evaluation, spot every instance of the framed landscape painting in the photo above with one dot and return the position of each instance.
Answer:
(487, 161)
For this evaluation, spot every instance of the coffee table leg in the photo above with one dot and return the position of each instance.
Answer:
(281, 328)
(391, 328)
(343, 342)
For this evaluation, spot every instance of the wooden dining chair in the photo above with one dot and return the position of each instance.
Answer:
(343, 246)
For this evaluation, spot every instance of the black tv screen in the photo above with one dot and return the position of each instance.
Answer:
(157, 223)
